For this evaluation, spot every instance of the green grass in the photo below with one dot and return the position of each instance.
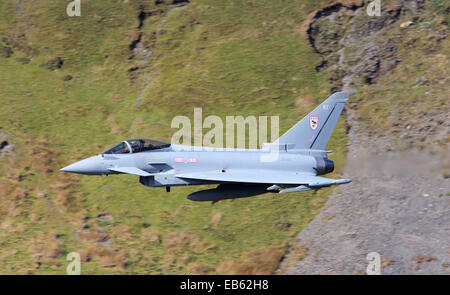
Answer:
(239, 58)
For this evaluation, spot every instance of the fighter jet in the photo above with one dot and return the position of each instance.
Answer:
(292, 163)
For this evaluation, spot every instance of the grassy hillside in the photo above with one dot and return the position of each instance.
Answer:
(71, 87)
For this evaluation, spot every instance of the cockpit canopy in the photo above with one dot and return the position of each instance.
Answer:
(137, 145)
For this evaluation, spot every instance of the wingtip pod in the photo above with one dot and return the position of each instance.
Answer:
(342, 181)
(316, 185)
(325, 182)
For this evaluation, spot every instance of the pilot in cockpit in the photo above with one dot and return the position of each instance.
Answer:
(141, 145)
(134, 146)
(137, 145)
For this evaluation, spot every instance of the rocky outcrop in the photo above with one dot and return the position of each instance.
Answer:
(397, 204)
(6, 148)
(358, 50)
(142, 41)
(352, 44)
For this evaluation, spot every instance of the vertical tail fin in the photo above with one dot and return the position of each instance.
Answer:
(314, 130)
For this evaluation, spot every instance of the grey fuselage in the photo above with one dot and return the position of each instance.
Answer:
(163, 164)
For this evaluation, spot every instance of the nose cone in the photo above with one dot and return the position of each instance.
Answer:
(92, 165)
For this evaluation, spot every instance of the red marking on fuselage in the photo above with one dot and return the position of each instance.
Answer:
(185, 160)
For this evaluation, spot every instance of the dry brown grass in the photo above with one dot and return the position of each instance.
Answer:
(123, 233)
(176, 242)
(260, 261)
(107, 257)
(53, 249)
(92, 236)
(422, 259)
(387, 262)
(41, 156)
(217, 218)
(115, 129)
(196, 268)
(63, 194)
(304, 101)
(45, 249)
(151, 236)
(295, 253)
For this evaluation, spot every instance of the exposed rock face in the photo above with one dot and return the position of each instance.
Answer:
(6, 148)
(398, 203)
(143, 41)
(352, 44)
(359, 50)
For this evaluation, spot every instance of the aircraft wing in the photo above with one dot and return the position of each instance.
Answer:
(264, 176)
